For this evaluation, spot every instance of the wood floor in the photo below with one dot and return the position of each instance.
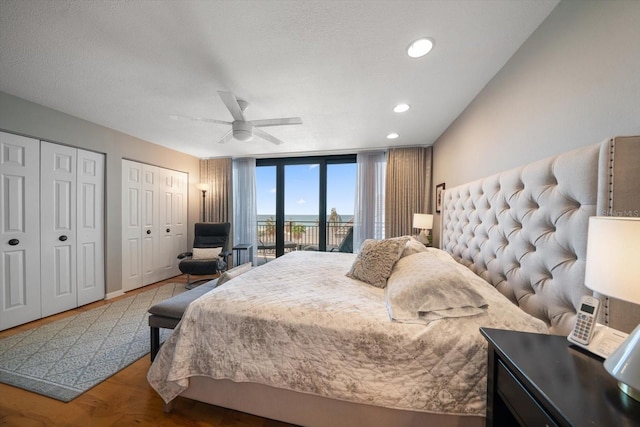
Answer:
(125, 399)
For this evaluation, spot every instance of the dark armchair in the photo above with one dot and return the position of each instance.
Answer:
(208, 236)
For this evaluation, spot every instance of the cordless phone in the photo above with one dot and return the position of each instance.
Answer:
(594, 337)
(585, 320)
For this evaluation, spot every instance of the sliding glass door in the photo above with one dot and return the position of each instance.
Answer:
(301, 201)
(341, 195)
(266, 209)
(304, 203)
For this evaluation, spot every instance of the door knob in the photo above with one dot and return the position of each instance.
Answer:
(14, 242)
(168, 230)
(148, 231)
(62, 238)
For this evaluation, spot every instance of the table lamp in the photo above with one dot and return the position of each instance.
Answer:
(424, 222)
(613, 269)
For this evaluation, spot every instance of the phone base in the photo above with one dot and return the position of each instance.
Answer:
(604, 342)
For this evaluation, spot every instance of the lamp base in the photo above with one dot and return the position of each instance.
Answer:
(424, 238)
(624, 365)
(629, 391)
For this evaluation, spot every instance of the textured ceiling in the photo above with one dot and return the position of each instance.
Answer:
(339, 65)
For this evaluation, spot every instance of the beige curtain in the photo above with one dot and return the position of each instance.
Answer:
(218, 203)
(408, 188)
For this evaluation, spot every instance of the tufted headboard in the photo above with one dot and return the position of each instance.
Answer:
(525, 230)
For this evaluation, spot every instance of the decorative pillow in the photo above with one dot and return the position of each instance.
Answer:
(424, 287)
(205, 253)
(413, 247)
(376, 258)
(234, 272)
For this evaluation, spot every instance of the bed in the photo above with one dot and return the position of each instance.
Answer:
(299, 341)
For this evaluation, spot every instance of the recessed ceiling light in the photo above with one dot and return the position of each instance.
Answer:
(392, 136)
(401, 108)
(420, 47)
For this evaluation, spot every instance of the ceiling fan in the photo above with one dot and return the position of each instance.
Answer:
(242, 129)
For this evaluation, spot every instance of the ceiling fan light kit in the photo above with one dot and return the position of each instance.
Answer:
(242, 131)
(241, 128)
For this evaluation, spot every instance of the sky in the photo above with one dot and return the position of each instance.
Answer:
(302, 188)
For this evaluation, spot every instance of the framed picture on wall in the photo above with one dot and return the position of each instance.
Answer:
(439, 192)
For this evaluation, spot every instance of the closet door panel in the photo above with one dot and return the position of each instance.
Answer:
(58, 228)
(150, 225)
(90, 227)
(173, 217)
(167, 249)
(179, 217)
(131, 225)
(20, 234)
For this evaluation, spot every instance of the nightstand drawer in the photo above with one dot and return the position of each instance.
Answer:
(522, 404)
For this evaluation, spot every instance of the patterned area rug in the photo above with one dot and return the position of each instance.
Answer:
(65, 358)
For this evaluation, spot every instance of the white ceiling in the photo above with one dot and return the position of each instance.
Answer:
(339, 65)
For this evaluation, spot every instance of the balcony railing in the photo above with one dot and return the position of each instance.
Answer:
(301, 234)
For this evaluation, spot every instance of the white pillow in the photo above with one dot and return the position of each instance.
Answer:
(423, 287)
(205, 253)
(413, 247)
(234, 272)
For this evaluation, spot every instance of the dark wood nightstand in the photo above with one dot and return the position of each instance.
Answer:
(542, 380)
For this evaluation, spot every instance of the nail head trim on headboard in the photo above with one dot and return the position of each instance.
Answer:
(622, 158)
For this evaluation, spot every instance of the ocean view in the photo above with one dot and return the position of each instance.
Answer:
(302, 218)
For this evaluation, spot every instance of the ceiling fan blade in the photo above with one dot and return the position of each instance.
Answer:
(231, 102)
(277, 122)
(220, 122)
(262, 134)
(226, 137)
(198, 119)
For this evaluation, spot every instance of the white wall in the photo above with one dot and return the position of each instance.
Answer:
(574, 82)
(23, 117)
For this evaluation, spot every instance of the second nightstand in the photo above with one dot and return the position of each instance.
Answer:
(541, 380)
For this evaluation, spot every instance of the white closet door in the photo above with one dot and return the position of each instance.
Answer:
(154, 204)
(180, 218)
(20, 233)
(173, 217)
(166, 248)
(151, 260)
(58, 227)
(131, 225)
(90, 227)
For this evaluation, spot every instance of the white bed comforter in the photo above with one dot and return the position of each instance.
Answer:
(299, 323)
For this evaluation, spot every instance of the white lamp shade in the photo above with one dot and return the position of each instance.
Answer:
(203, 187)
(423, 221)
(613, 257)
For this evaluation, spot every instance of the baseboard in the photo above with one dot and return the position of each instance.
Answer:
(112, 295)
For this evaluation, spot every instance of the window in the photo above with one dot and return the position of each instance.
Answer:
(294, 194)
